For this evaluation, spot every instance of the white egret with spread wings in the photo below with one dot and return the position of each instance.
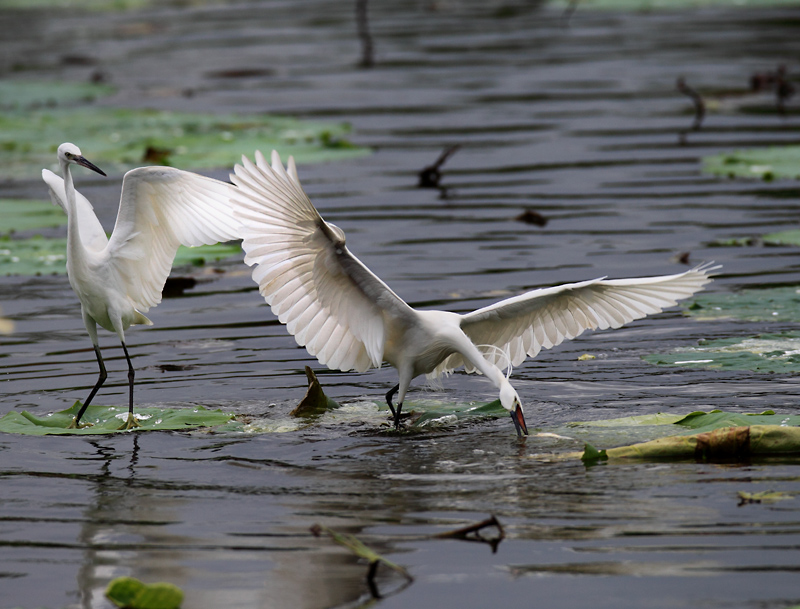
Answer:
(349, 319)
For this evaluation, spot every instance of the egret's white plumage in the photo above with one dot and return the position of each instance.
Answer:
(349, 319)
(118, 279)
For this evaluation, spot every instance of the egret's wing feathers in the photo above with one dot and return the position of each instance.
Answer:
(331, 303)
(523, 325)
(160, 209)
(93, 237)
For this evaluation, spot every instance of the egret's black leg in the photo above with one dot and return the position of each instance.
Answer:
(131, 419)
(100, 380)
(389, 397)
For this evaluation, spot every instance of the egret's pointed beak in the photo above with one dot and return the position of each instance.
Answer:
(519, 421)
(89, 165)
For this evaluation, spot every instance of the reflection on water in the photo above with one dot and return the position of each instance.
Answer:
(579, 124)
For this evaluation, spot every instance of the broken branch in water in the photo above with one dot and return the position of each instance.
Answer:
(352, 543)
(429, 176)
(472, 533)
(699, 106)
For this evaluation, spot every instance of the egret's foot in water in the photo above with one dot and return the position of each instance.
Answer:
(76, 425)
(131, 423)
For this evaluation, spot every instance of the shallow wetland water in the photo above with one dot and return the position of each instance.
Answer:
(578, 121)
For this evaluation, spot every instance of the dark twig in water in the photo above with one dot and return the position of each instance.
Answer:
(429, 177)
(572, 6)
(530, 216)
(472, 533)
(699, 106)
(362, 23)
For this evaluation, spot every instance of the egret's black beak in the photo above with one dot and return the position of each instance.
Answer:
(519, 421)
(89, 165)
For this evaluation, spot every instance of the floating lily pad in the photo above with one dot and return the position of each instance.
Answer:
(17, 215)
(784, 237)
(107, 419)
(762, 163)
(28, 95)
(130, 593)
(118, 139)
(768, 353)
(48, 256)
(762, 304)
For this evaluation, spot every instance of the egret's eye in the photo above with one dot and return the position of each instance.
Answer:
(68, 155)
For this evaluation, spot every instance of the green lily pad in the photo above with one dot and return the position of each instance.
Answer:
(767, 353)
(130, 593)
(763, 497)
(784, 237)
(118, 139)
(48, 256)
(700, 422)
(17, 215)
(31, 94)
(107, 419)
(762, 163)
(760, 304)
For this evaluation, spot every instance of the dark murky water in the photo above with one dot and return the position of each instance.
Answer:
(579, 123)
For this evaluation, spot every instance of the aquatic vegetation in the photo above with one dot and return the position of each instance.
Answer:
(769, 163)
(130, 593)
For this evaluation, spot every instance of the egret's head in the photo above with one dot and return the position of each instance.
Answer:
(70, 153)
(510, 401)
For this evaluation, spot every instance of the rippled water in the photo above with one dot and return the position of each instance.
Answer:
(576, 121)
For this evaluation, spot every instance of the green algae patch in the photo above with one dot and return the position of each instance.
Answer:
(769, 163)
(108, 419)
(119, 139)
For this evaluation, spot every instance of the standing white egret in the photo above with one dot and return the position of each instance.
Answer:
(349, 319)
(118, 279)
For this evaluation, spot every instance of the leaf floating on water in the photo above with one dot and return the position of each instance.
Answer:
(315, 402)
(107, 419)
(763, 497)
(130, 593)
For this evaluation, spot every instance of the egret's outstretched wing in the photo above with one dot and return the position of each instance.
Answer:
(93, 237)
(523, 325)
(160, 209)
(331, 303)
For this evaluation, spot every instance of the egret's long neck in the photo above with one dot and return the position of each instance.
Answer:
(476, 358)
(74, 248)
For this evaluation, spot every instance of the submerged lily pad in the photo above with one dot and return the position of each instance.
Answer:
(707, 435)
(768, 353)
(118, 139)
(762, 163)
(107, 419)
(48, 256)
(761, 304)
(17, 215)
